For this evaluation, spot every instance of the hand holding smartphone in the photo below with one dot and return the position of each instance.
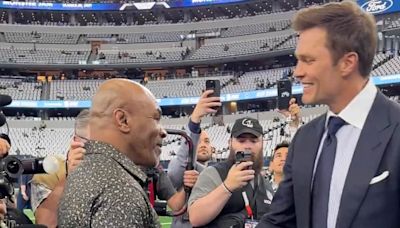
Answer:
(215, 85)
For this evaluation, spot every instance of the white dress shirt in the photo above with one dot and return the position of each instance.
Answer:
(355, 114)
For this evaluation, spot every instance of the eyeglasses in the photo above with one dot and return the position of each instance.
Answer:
(78, 138)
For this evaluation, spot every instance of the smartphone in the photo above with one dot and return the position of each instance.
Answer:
(242, 156)
(216, 86)
(284, 93)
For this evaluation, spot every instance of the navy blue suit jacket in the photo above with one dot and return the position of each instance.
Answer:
(363, 205)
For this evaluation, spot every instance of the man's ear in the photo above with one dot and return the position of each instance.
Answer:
(121, 118)
(349, 63)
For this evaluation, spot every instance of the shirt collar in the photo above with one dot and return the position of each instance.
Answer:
(97, 147)
(273, 184)
(356, 112)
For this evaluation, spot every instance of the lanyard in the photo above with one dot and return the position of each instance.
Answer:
(247, 205)
(150, 188)
(249, 210)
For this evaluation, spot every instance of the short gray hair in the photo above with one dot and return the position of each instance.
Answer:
(82, 120)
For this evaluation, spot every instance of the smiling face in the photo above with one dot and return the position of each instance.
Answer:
(147, 134)
(315, 68)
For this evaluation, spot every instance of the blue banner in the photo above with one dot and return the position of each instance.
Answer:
(60, 6)
(380, 6)
(250, 95)
(109, 6)
(49, 104)
(372, 6)
(190, 3)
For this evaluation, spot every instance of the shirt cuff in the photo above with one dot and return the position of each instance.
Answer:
(194, 127)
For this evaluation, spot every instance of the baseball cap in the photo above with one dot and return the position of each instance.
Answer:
(246, 125)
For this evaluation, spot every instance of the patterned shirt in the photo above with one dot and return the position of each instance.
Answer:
(106, 190)
(38, 195)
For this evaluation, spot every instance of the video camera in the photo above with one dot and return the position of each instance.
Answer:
(11, 167)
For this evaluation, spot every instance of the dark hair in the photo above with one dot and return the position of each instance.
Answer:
(348, 27)
(278, 146)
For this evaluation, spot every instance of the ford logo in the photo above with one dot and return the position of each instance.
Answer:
(377, 6)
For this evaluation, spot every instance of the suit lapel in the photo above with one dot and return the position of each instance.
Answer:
(303, 168)
(366, 159)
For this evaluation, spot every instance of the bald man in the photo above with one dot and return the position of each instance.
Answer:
(106, 189)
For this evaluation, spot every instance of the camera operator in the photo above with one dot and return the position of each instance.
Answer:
(4, 145)
(233, 193)
(4, 148)
(47, 189)
(8, 211)
(201, 141)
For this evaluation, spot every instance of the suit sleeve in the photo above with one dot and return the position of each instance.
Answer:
(282, 212)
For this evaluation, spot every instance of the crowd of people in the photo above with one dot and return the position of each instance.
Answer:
(123, 183)
(339, 170)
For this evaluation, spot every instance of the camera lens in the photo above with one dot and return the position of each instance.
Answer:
(13, 167)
